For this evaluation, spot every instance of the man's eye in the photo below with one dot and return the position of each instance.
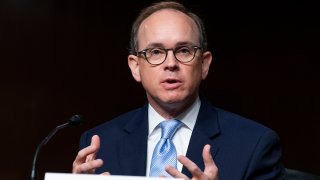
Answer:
(156, 51)
(183, 50)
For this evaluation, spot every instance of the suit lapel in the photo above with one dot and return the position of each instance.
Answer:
(206, 128)
(133, 148)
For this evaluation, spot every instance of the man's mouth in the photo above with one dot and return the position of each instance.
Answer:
(170, 84)
(171, 81)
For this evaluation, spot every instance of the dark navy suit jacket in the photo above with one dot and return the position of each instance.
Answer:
(241, 148)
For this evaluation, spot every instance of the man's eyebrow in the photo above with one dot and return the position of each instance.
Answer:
(161, 45)
(152, 45)
(184, 43)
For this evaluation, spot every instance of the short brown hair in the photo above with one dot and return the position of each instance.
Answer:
(146, 12)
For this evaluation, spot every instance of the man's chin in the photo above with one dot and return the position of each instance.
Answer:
(172, 100)
(171, 96)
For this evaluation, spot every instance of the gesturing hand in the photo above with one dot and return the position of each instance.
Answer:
(86, 161)
(210, 171)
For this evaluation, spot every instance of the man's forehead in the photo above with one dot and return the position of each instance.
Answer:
(169, 26)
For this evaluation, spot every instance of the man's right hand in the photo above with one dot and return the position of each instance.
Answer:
(86, 161)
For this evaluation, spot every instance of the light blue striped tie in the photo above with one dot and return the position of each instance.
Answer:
(165, 152)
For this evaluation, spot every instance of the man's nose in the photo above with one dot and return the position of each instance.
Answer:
(171, 62)
(171, 59)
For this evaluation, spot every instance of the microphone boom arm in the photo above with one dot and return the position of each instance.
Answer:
(74, 121)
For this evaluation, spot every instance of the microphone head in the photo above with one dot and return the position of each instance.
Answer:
(75, 120)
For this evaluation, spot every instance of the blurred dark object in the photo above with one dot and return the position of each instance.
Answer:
(293, 174)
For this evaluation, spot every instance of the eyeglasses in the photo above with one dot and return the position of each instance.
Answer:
(156, 56)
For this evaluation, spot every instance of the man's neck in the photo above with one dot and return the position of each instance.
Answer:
(171, 110)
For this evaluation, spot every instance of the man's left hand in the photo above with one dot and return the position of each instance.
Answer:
(210, 171)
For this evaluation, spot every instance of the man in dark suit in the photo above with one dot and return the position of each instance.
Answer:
(169, 57)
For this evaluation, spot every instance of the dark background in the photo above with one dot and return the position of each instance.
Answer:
(65, 57)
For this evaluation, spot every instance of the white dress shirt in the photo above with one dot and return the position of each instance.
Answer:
(182, 136)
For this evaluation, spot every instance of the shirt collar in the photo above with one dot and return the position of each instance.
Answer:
(188, 117)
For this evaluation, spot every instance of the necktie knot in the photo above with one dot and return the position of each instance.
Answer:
(165, 152)
(169, 127)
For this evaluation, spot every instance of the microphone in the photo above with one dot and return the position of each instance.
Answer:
(74, 120)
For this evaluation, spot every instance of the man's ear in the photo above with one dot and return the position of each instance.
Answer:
(206, 61)
(134, 67)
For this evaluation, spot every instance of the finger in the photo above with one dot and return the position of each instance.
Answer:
(95, 142)
(175, 173)
(210, 169)
(105, 174)
(86, 154)
(207, 157)
(191, 166)
(88, 167)
(82, 155)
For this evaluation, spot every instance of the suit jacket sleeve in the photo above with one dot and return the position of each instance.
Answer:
(265, 162)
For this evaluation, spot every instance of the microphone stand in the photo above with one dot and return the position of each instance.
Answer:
(74, 121)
